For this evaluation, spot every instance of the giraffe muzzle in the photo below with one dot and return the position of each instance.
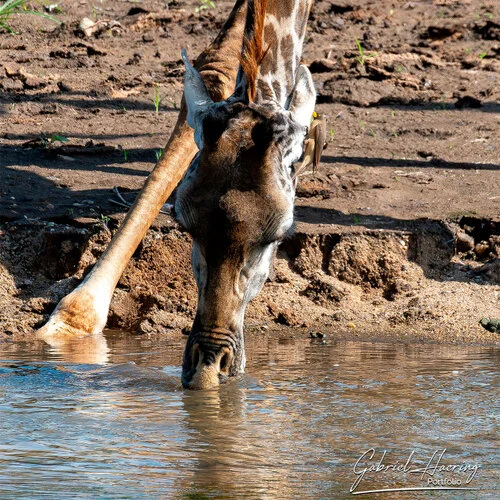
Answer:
(206, 365)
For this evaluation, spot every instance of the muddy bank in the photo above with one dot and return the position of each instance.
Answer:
(431, 281)
(397, 231)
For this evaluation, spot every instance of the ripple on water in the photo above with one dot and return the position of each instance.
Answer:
(292, 427)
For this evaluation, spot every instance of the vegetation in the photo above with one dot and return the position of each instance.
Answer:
(157, 99)
(11, 7)
(204, 5)
(363, 56)
(51, 139)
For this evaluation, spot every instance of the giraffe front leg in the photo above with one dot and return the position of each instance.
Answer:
(84, 311)
(80, 313)
(75, 328)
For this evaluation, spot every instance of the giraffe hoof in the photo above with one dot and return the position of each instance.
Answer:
(75, 316)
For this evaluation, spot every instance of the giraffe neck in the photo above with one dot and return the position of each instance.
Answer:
(284, 31)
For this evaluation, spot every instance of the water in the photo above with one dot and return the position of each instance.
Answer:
(293, 427)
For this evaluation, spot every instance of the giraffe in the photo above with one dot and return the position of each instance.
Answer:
(236, 198)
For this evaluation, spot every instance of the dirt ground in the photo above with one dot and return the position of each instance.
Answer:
(398, 233)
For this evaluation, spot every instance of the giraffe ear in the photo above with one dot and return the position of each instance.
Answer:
(303, 97)
(195, 92)
(240, 91)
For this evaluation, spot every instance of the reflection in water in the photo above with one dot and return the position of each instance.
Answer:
(293, 427)
(89, 349)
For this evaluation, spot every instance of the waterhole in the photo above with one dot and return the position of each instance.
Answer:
(309, 419)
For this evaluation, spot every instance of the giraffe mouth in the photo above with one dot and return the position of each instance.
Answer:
(209, 359)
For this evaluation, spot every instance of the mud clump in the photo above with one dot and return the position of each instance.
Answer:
(157, 289)
(369, 262)
(323, 293)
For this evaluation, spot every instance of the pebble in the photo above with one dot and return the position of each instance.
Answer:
(482, 249)
(317, 335)
(492, 325)
(322, 66)
(465, 242)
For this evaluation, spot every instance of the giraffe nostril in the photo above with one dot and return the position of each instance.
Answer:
(195, 356)
(225, 362)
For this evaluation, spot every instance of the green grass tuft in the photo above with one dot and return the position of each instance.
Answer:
(11, 7)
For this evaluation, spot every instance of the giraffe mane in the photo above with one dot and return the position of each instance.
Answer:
(253, 51)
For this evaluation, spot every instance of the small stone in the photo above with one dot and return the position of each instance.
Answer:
(87, 26)
(33, 82)
(64, 87)
(197, 28)
(94, 51)
(49, 109)
(467, 101)
(61, 54)
(482, 249)
(135, 59)
(465, 242)
(492, 325)
(322, 66)
(12, 85)
(337, 23)
(317, 335)
(11, 72)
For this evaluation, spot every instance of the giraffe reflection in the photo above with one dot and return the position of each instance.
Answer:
(230, 455)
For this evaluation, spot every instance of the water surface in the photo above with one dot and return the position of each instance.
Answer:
(76, 425)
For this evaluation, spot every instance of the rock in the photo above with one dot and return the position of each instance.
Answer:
(470, 63)
(137, 10)
(65, 87)
(94, 51)
(494, 243)
(322, 66)
(11, 72)
(34, 82)
(492, 325)
(467, 101)
(49, 108)
(489, 31)
(322, 293)
(337, 23)
(87, 26)
(396, 287)
(482, 249)
(61, 54)
(11, 85)
(492, 271)
(465, 242)
(134, 60)
(317, 335)
(440, 32)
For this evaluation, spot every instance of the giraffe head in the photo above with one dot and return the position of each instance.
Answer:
(236, 201)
